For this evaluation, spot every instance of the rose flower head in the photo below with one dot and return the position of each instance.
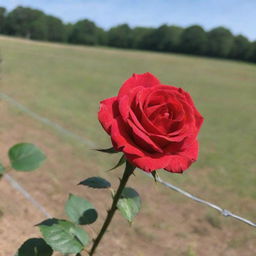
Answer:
(154, 125)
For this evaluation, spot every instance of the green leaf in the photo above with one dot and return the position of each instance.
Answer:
(95, 182)
(121, 161)
(64, 236)
(2, 169)
(108, 150)
(25, 157)
(129, 204)
(80, 210)
(35, 247)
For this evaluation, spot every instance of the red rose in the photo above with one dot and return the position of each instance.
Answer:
(154, 125)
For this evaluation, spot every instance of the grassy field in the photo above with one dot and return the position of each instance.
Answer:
(66, 83)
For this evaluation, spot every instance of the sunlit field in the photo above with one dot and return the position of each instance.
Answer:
(65, 84)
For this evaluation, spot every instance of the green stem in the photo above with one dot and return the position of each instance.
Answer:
(127, 173)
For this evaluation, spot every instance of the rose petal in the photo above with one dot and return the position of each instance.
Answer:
(183, 160)
(143, 140)
(149, 163)
(108, 111)
(198, 117)
(144, 80)
(178, 164)
(125, 102)
(121, 139)
(170, 162)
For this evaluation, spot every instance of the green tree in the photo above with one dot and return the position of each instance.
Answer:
(139, 34)
(120, 36)
(165, 38)
(252, 52)
(220, 42)
(151, 40)
(102, 36)
(193, 40)
(68, 28)
(38, 27)
(55, 29)
(2, 19)
(170, 38)
(241, 48)
(84, 32)
(26, 22)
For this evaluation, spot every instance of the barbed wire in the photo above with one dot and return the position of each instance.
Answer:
(90, 143)
(224, 212)
(27, 195)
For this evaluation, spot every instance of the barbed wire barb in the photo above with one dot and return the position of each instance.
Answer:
(224, 212)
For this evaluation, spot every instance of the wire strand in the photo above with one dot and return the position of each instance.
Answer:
(27, 195)
(224, 212)
(90, 143)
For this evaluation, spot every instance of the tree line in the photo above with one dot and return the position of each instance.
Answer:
(218, 42)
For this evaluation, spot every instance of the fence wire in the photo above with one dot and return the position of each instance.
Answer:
(27, 195)
(224, 212)
(90, 143)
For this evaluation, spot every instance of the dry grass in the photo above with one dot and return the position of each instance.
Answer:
(65, 84)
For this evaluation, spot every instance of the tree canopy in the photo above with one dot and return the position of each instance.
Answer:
(193, 40)
(218, 42)
(2, 19)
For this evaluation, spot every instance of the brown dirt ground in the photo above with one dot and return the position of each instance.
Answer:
(168, 224)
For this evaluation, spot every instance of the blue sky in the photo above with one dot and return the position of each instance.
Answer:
(237, 15)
